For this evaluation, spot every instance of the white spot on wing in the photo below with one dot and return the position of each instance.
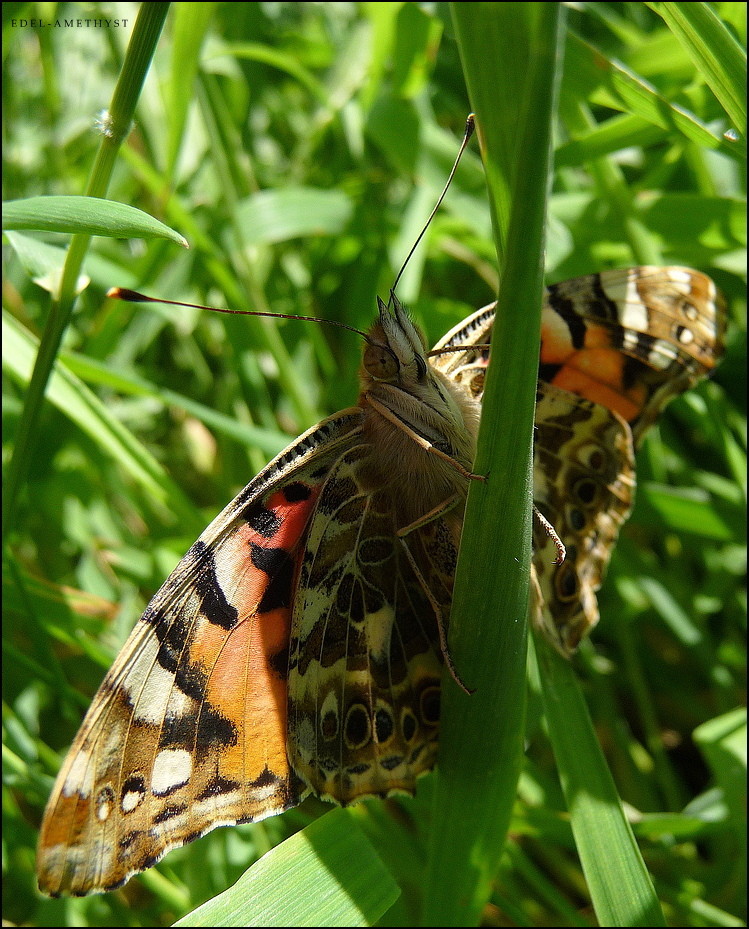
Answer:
(103, 810)
(680, 275)
(131, 800)
(685, 336)
(634, 315)
(379, 627)
(171, 769)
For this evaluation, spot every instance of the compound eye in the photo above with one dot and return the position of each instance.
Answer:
(380, 363)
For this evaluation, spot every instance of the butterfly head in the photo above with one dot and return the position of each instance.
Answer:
(401, 388)
(395, 352)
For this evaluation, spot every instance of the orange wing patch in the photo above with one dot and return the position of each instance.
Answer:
(617, 338)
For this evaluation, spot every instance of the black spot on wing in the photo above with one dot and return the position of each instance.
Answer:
(218, 786)
(266, 778)
(214, 604)
(296, 492)
(547, 373)
(129, 839)
(134, 784)
(172, 632)
(198, 566)
(279, 663)
(201, 731)
(391, 763)
(263, 521)
(191, 680)
(278, 564)
(169, 812)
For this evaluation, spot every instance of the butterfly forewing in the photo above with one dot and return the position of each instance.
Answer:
(631, 340)
(188, 730)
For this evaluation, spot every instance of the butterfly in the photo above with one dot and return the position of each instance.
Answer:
(299, 645)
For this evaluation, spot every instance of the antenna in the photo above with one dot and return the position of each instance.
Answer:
(132, 296)
(470, 126)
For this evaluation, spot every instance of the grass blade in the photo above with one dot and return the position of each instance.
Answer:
(619, 884)
(87, 215)
(118, 120)
(715, 52)
(329, 874)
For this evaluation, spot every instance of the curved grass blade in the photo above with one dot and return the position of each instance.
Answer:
(87, 215)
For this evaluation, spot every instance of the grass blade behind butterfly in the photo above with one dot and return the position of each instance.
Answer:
(620, 887)
(513, 47)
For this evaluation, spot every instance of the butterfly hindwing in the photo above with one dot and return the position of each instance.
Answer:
(365, 667)
(583, 480)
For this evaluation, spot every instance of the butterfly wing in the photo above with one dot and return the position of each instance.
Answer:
(583, 481)
(188, 729)
(366, 662)
(615, 348)
(631, 340)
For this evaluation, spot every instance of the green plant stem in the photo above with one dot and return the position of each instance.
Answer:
(482, 734)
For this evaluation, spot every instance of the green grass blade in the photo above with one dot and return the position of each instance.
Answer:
(190, 24)
(619, 884)
(88, 215)
(278, 215)
(269, 441)
(482, 735)
(621, 88)
(715, 52)
(329, 874)
(115, 127)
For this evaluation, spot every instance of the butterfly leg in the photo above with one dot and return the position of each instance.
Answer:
(390, 416)
(434, 514)
(440, 621)
(552, 534)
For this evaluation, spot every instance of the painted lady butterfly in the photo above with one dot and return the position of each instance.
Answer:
(298, 646)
